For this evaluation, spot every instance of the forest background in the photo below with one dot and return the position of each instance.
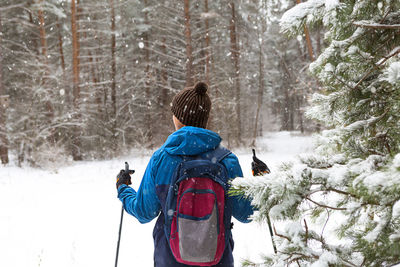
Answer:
(91, 79)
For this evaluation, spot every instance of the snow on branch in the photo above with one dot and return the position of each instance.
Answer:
(306, 12)
(393, 73)
(6, 8)
(208, 15)
(374, 25)
(382, 61)
(358, 125)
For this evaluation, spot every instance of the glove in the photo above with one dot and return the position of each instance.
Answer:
(123, 178)
(258, 170)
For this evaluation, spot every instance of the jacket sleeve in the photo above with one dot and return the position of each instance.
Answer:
(241, 206)
(143, 204)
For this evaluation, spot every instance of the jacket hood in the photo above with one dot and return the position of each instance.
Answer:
(191, 141)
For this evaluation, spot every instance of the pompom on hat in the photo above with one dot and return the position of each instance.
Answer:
(192, 105)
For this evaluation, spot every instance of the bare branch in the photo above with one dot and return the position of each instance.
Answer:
(282, 236)
(326, 222)
(324, 206)
(305, 225)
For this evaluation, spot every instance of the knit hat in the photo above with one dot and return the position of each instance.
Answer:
(192, 105)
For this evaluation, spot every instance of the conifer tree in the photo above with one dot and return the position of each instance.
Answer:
(341, 205)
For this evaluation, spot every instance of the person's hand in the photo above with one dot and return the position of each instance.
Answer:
(123, 178)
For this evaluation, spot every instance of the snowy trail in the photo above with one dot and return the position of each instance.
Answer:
(71, 217)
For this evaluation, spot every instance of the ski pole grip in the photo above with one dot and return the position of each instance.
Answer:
(127, 170)
(126, 167)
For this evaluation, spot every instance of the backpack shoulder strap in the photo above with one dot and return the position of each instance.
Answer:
(217, 155)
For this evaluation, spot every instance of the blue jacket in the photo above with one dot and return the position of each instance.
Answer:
(148, 202)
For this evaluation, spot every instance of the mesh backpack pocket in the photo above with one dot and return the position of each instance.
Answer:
(195, 219)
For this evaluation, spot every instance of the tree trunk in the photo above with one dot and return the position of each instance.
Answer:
(148, 118)
(3, 129)
(42, 31)
(65, 83)
(286, 110)
(292, 110)
(189, 49)
(60, 47)
(76, 153)
(96, 78)
(318, 42)
(300, 112)
(113, 64)
(43, 45)
(260, 81)
(75, 54)
(95, 83)
(164, 82)
(209, 63)
(208, 44)
(62, 59)
(235, 54)
(34, 40)
(113, 77)
(308, 39)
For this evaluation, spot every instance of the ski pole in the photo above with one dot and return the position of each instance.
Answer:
(271, 233)
(259, 168)
(119, 235)
(127, 171)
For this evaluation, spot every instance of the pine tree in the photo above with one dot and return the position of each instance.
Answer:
(341, 205)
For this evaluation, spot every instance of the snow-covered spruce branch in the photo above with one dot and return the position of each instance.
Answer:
(373, 25)
(300, 252)
(284, 194)
(293, 20)
(349, 194)
(382, 61)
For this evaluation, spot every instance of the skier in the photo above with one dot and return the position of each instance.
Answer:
(191, 108)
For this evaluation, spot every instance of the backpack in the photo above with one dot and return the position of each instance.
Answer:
(197, 226)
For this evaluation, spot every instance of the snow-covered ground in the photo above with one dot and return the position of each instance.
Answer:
(70, 216)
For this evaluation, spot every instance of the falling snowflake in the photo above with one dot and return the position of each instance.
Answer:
(170, 212)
